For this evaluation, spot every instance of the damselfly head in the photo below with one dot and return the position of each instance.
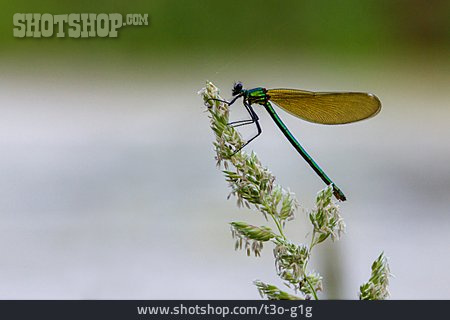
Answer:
(237, 88)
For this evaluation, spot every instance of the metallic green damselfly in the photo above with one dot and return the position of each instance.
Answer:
(318, 107)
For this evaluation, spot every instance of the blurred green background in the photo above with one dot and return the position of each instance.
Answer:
(346, 28)
(108, 182)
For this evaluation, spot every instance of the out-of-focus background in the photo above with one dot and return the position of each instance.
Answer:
(108, 183)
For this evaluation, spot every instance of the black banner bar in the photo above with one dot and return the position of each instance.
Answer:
(222, 309)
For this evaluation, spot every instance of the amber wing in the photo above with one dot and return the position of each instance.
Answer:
(326, 107)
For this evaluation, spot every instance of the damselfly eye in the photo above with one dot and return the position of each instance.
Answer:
(237, 88)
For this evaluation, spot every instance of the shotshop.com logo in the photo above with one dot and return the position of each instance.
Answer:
(73, 25)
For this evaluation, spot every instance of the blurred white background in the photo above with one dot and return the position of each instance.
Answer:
(109, 187)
